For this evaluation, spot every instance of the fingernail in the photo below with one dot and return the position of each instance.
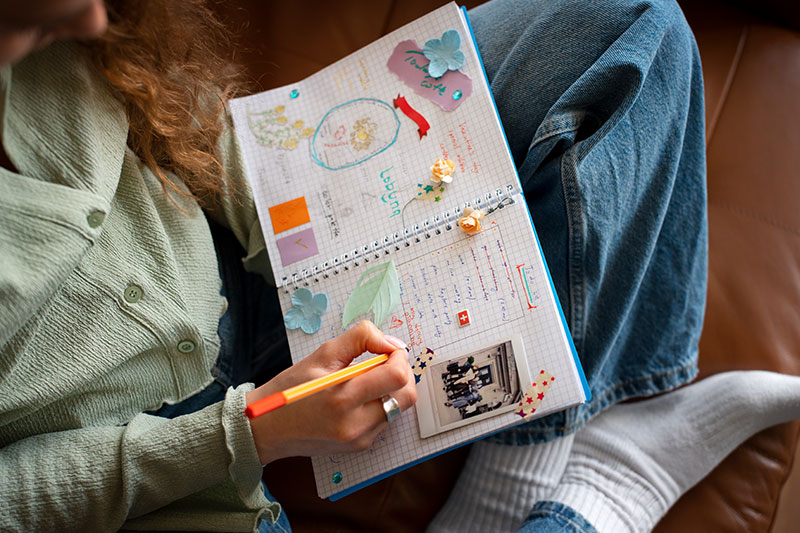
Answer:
(397, 342)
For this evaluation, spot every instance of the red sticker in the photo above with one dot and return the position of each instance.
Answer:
(413, 114)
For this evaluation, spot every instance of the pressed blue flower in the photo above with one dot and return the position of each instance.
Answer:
(306, 311)
(444, 53)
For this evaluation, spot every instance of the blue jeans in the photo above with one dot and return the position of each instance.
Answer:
(602, 103)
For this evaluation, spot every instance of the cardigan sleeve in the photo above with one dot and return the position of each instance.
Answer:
(97, 478)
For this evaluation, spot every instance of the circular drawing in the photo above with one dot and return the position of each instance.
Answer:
(353, 132)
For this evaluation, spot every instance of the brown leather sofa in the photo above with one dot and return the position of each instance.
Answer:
(751, 62)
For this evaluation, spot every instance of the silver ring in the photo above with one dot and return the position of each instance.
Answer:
(390, 407)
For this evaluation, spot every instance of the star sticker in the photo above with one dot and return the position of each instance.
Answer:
(428, 188)
(437, 198)
(535, 394)
(520, 413)
(421, 363)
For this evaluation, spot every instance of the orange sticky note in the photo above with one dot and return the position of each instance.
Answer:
(289, 214)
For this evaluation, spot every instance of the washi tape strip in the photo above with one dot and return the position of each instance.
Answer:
(533, 398)
(422, 363)
(430, 192)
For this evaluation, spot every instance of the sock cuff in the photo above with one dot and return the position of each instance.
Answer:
(542, 462)
(500, 484)
(632, 462)
(597, 508)
(613, 484)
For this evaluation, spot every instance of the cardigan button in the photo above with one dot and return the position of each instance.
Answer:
(186, 346)
(133, 293)
(95, 218)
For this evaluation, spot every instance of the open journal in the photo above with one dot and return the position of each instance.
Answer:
(341, 169)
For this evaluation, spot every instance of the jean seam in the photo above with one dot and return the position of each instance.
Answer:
(575, 252)
(557, 126)
(557, 510)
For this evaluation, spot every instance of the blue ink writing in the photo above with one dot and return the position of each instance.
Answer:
(388, 197)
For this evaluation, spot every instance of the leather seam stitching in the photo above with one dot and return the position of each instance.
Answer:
(734, 68)
(760, 218)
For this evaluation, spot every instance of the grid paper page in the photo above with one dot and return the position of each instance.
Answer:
(497, 274)
(499, 277)
(361, 202)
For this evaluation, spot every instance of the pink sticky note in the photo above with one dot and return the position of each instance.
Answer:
(297, 247)
(408, 63)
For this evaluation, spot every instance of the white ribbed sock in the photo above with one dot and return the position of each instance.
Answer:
(630, 464)
(500, 484)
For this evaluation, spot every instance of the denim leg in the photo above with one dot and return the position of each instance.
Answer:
(281, 526)
(602, 103)
(554, 517)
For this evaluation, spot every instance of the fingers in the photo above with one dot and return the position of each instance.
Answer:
(394, 376)
(374, 417)
(363, 337)
(355, 410)
(345, 417)
(359, 398)
(375, 412)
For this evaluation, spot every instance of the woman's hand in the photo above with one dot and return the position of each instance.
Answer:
(343, 418)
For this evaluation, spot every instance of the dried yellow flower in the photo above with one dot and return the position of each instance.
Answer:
(442, 171)
(470, 220)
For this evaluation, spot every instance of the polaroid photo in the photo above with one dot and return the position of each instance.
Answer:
(481, 384)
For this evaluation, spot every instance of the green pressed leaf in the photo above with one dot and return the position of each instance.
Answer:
(379, 294)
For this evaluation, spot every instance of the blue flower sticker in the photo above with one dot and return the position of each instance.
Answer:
(306, 311)
(444, 53)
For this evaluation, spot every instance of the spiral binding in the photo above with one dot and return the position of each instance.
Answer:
(382, 247)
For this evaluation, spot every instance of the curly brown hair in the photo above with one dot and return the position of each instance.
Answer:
(170, 61)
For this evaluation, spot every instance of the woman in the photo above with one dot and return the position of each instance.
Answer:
(123, 376)
(110, 286)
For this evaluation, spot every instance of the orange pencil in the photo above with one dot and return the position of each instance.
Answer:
(279, 399)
